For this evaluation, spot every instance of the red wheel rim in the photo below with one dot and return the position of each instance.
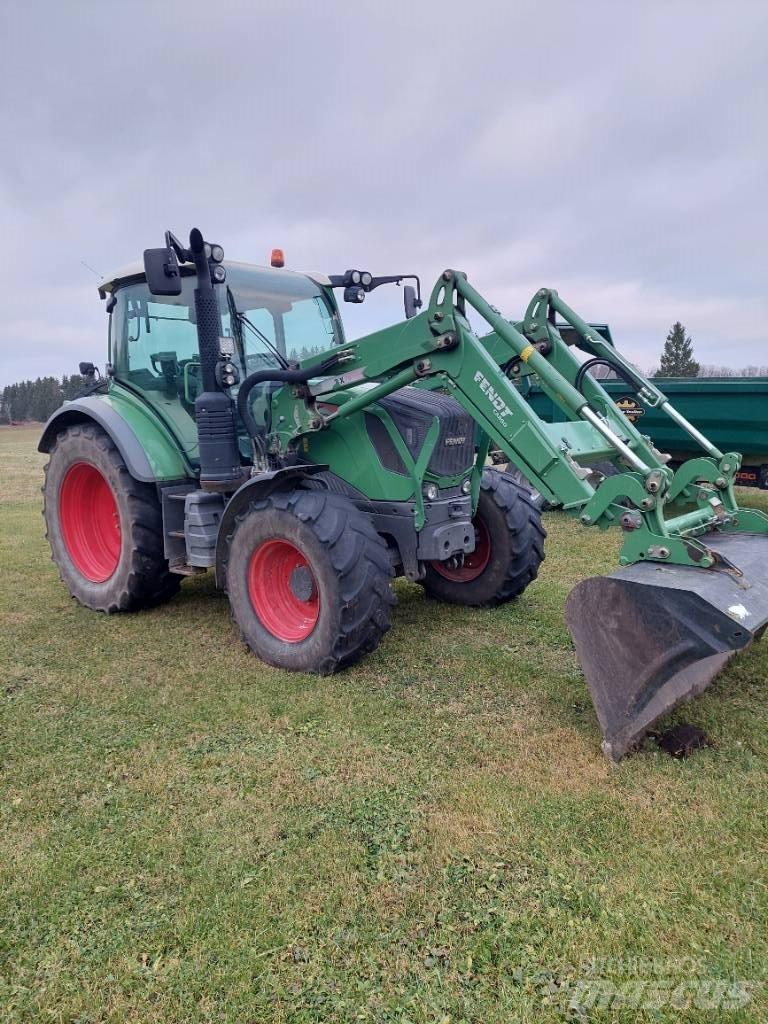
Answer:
(473, 565)
(283, 591)
(90, 522)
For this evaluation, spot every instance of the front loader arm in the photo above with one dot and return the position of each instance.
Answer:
(439, 346)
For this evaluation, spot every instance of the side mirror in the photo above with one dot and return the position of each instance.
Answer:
(411, 303)
(162, 271)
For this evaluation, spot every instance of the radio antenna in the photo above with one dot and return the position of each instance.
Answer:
(89, 267)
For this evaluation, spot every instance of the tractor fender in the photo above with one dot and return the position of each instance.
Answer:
(257, 487)
(109, 418)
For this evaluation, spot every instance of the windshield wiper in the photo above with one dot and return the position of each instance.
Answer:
(240, 319)
(262, 337)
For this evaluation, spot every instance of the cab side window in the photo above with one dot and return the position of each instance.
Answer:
(154, 341)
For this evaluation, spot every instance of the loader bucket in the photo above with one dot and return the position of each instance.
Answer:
(652, 636)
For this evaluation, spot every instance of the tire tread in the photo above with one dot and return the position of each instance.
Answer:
(360, 559)
(149, 581)
(522, 519)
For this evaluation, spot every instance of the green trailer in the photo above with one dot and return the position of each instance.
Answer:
(731, 411)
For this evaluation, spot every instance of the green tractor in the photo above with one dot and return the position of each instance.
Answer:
(237, 430)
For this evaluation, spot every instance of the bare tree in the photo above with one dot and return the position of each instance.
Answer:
(710, 370)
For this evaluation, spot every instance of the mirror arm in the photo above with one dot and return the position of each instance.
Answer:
(396, 279)
(172, 242)
(343, 281)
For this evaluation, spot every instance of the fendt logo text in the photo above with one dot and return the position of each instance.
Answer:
(500, 407)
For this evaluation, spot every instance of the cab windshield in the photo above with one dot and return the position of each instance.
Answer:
(272, 316)
(277, 317)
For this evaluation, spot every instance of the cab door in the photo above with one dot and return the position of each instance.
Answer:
(154, 350)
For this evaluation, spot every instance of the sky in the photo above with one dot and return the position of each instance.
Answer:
(617, 152)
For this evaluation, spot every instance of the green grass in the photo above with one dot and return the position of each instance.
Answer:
(187, 835)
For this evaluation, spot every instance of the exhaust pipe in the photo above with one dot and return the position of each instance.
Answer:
(652, 636)
(220, 468)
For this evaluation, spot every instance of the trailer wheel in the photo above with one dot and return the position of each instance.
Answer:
(309, 581)
(105, 529)
(509, 548)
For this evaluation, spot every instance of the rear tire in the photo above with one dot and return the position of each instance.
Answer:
(309, 581)
(104, 527)
(509, 548)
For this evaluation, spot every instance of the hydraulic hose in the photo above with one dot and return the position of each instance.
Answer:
(600, 361)
(278, 376)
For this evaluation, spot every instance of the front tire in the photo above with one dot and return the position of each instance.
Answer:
(509, 548)
(105, 528)
(309, 581)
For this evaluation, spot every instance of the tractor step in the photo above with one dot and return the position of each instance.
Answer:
(185, 569)
(191, 525)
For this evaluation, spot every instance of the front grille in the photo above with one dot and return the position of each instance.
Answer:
(384, 445)
(413, 410)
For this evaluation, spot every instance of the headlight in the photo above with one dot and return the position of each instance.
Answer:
(355, 277)
(217, 253)
(467, 485)
(431, 492)
(365, 279)
(219, 273)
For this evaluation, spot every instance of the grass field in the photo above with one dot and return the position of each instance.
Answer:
(187, 835)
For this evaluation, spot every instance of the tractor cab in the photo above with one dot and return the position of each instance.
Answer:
(273, 317)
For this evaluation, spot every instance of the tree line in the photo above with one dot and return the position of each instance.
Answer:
(37, 399)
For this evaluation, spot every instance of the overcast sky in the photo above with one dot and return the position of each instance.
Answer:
(615, 151)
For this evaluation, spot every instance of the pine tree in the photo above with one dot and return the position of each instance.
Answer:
(5, 411)
(72, 386)
(677, 358)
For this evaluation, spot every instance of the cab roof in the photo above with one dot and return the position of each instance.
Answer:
(135, 271)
